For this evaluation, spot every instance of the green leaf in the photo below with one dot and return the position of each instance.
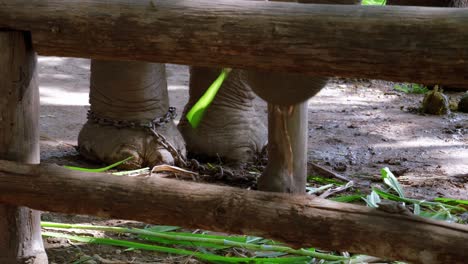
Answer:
(413, 88)
(400, 88)
(392, 181)
(451, 201)
(417, 209)
(372, 200)
(373, 2)
(195, 115)
(443, 215)
(389, 196)
(99, 169)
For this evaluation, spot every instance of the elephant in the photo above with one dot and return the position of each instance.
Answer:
(127, 96)
(230, 127)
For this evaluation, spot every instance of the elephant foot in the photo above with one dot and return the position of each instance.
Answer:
(111, 144)
(231, 128)
(236, 141)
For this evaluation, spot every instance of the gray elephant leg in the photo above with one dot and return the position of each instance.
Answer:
(126, 93)
(230, 127)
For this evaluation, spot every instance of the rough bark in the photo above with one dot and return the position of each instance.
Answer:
(348, 41)
(287, 149)
(20, 240)
(299, 220)
(434, 3)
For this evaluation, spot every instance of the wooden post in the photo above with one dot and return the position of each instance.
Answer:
(20, 239)
(287, 127)
(287, 149)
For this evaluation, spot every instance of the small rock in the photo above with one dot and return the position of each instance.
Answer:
(464, 217)
(435, 103)
(463, 104)
(340, 166)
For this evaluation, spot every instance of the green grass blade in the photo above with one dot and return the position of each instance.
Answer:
(393, 197)
(195, 114)
(99, 169)
(374, 2)
(347, 198)
(203, 256)
(188, 236)
(323, 180)
(225, 241)
(450, 201)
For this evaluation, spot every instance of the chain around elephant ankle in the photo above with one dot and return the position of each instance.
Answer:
(157, 122)
(151, 125)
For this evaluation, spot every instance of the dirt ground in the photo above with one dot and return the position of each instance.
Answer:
(356, 128)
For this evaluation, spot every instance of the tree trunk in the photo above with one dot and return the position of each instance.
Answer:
(20, 240)
(287, 149)
(299, 220)
(389, 42)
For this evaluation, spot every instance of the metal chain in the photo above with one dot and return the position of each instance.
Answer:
(157, 122)
(179, 160)
(150, 125)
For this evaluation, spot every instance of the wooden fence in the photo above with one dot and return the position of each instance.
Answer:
(392, 43)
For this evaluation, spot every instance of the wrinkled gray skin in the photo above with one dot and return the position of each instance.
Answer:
(138, 91)
(135, 91)
(230, 128)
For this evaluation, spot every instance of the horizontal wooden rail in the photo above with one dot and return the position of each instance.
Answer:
(297, 220)
(396, 43)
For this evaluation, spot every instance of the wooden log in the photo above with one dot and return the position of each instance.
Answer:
(287, 149)
(299, 220)
(349, 41)
(20, 240)
(435, 3)
(438, 3)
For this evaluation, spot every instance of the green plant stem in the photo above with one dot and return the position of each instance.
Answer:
(393, 197)
(98, 169)
(224, 242)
